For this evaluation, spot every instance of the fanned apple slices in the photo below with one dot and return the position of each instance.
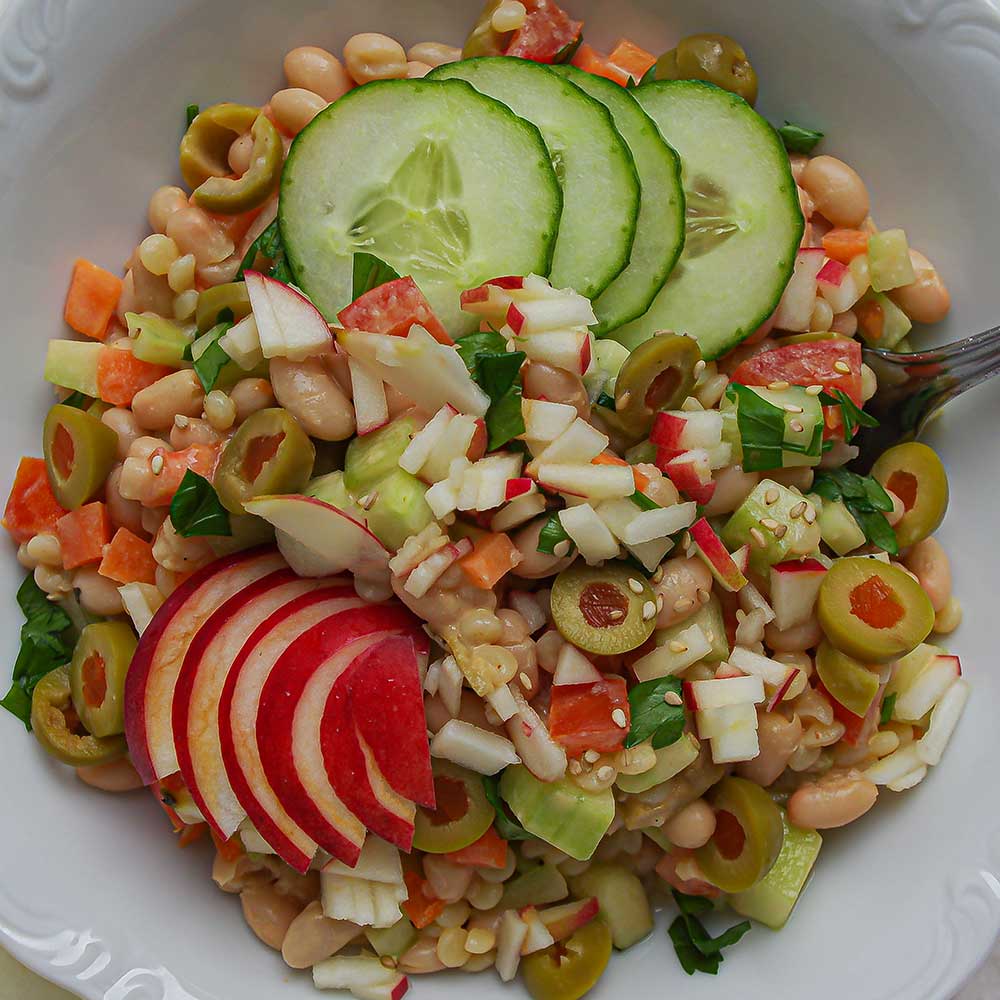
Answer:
(287, 701)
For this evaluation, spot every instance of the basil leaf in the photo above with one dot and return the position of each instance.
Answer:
(652, 716)
(762, 428)
(853, 416)
(866, 500)
(643, 502)
(508, 828)
(196, 510)
(44, 646)
(608, 402)
(692, 906)
(472, 345)
(212, 358)
(691, 959)
(888, 706)
(190, 113)
(499, 376)
(798, 138)
(269, 244)
(551, 535)
(696, 949)
(77, 400)
(369, 273)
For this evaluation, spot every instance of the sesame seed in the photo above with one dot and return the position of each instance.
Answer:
(699, 368)
(156, 464)
(616, 614)
(843, 367)
(792, 408)
(648, 610)
(618, 718)
(810, 515)
(759, 540)
(814, 390)
(771, 496)
(623, 400)
(796, 426)
(659, 603)
(181, 421)
(779, 385)
(591, 756)
(781, 531)
(677, 647)
(634, 585)
(673, 698)
(686, 540)
(605, 773)
(683, 603)
(703, 595)
(769, 523)
(525, 681)
(657, 574)
(561, 549)
(798, 510)
(387, 962)
(575, 767)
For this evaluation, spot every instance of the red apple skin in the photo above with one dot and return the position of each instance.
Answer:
(576, 916)
(473, 295)
(517, 487)
(387, 704)
(800, 566)
(778, 695)
(138, 677)
(833, 273)
(515, 318)
(332, 600)
(668, 430)
(585, 356)
(477, 447)
(276, 715)
(717, 556)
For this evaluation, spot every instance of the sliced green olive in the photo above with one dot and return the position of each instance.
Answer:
(97, 676)
(232, 296)
(463, 813)
(56, 727)
(747, 839)
(606, 609)
(915, 474)
(716, 59)
(484, 39)
(270, 453)
(229, 196)
(79, 452)
(658, 375)
(204, 149)
(873, 611)
(848, 680)
(571, 968)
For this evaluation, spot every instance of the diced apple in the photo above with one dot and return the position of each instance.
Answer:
(379, 862)
(540, 753)
(502, 701)
(794, 589)
(471, 747)
(242, 343)
(714, 722)
(427, 573)
(927, 688)
(141, 601)
(368, 391)
(837, 285)
(691, 473)
(579, 444)
(647, 525)
(681, 430)
(589, 532)
(752, 600)
(568, 349)
(510, 938)
(364, 903)
(360, 975)
(770, 671)
(897, 765)
(562, 921)
(454, 443)
(572, 667)
(598, 482)
(719, 692)
(545, 421)
(491, 299)
(944, 719)
(737, 745)
(538, 937)
(562, 311)
(518, 487)
(519, 511)
(796, 306)
(426, 440)
(288, 324)
(688, 647)
(787, 689)
(716, 556)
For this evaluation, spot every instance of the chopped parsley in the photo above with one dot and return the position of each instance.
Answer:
(196, 509)
(77, 400)
(866, 501)
(888, 706)
(654, 717)
(207, 355)
(190, 113)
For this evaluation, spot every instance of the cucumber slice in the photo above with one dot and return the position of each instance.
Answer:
(376, 455)
(594, 166)
(659, 231)
(436, 179)
(621, 897)
(744, 224)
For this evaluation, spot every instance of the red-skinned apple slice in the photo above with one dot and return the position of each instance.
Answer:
(288, 324)
(690, 472)
(794, 589)
(152, 675)
(202, 679)
(291, 722)
(562, 921)
(387, 704)
(238, 709)
(716, 556)
(799, 299)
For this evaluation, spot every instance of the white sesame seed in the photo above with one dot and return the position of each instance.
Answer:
(683, 603)
(814, 390)
(769, 523)
(677, 647)
(703, 595)
(771, 496)
(368, 501)
(616, 614)
(634, 585)
(673, 698)
(843, 367)
(156, 464)
(699, 367)
(659, 603)
(561, 549)
(618, 718)
(759, 540)
(657, 574)
(648, 610)
(792, 408)
(796, 426)
(591, 756)
(779, 385)
(798, 510)
(181, 421)
(781, 531)
(605, 773)
(810, 515)
(525, 681)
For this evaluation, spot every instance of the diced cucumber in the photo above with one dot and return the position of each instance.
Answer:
(709, 618)
(659, 231)
(755, 519)
(889, 261)
(399, 508)
(591, 160)
(157, 340)
(802, 415)
(658, 837)
(744, 224)
(331, 489)
(881, 323)
(609, 356)
(622, 899)
(247, 533)
(391, 941)
(432, 177)
(374, 456)
(72, 364)
(837, 526)
(670, 761)
(559, 812)
(772, 900)
(537, 886)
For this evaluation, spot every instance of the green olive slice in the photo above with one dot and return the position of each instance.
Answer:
(231, 196)
(270, 453)
(484, 39)
(848, 680)
(97, 676)
(571, 968)
(79, 452)
(606, 609)
(716, 59)
(53, 722)
(916, 475)
(232, 296)
(747, 839)
(872, 610)
(462, 814)
(204, 149)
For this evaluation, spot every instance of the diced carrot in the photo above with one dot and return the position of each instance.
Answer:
(609, 458)
(589, 59)
(199, 458)
(636, 61)
(92, 299)
(493, 556)
(845, 244)
(490, 851)
(120, 375)
(31, 506)
(83, 534)
(191, 834)
(421, 906)
(167, 791)
(229, 850)
(128, 559)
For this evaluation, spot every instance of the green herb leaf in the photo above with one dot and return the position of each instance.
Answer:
(888, 706)
(77, 400)
(190, 113)
(696, 949)
(762, 428)
(196, 510)
(866, 500)
(211, 358)
(798, 138)
(499, 376)
(269, 245)
(44, 646)
(649, 75)
(608, 402)
(369, 273)
(643, 502)
(472, 345)
(507, 827)
(551, 535)
(652, 716)
(854, 417)
(691, 959)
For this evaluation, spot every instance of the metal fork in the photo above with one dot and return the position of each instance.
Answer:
(913, 387)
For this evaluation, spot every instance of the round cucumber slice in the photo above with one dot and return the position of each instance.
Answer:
(438, 180)
(743, 226)
(659, 231)
(592, 161)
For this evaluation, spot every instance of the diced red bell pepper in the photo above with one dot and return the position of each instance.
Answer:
(128, 559)
(393, 308)
(581, 716)
(31, 507)
(421, 906)
(83, 533)
(120, 375)
(490, 851)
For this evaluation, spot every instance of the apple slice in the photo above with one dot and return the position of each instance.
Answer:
(836, 283)
(690, 472)
(928, 688)
(794, 589)
(368, 395)
(288, 324)
(200, 683)
(387, 705)
(580, 443)
(455, 442)
(379, 862)
(238, 732)
(648, 525)
(538, 937)
(152, 675)
(688, 647)
(591, 535)
(562, 921)
(545, 421)
(572, 667)
(598, 482)
(364, 976)
(715, 722)
(561, 310)
(681, 430)
(770, 671)
(491, 299)
(511, 934)
(736, 745)
(334, 540)
(424, 442)
(568, 349)
(799, 299)
(719, 692)
(944, 719)
(716, 556)
(473, 748)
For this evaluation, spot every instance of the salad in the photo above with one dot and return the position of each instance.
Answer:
(449, 512)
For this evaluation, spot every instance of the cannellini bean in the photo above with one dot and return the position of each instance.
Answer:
(372, 56)
(433, 53)
(417, 70)
(313, 937)
(535, 565)
(834, 801)
(295, 108)
(123, 513)
(543, 381)
(240, 154)
(312, 395)
(164, 202)
(98, 594)
(794, 639)
(196, 232)
(925, 300)
(155, 407)
(187, 431)
(178, 554)
(268, 913)
(122, 421)
(116, 776)
(44, 549)
(250, 395)
(836, 189)
(732, 487)
(220, 410)
(928, 561)
(778, 738)
(53, 582)
(682, 580)
(692, 827)
(949, 617)
(311, 68)
(659, 489)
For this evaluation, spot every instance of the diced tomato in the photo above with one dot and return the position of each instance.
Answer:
(490, 851)
(128, 559)
(393, 308)
(546, 33)
(667, 870)
(810, 363)
(590, 60)
(636, 61)
(421, 906)
(92, 299)
(493, 556)
(581, 716)
(83, 534)
(199, 458)
(120, 375)
(32, 506)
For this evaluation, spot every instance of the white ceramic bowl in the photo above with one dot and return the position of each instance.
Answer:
(93, 893)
